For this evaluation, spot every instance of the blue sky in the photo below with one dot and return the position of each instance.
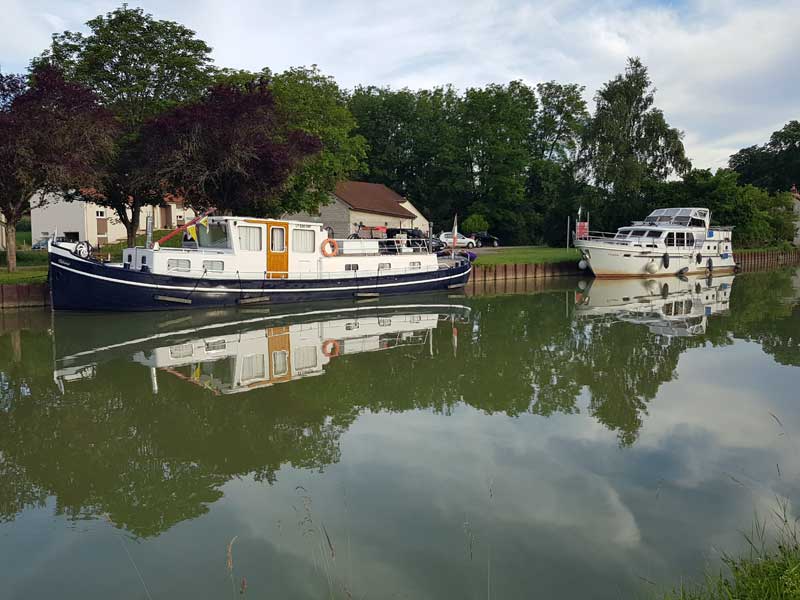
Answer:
(726, 70)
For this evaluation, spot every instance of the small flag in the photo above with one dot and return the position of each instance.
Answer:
(192, 231)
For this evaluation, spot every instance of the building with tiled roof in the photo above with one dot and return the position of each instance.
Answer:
(357, 206)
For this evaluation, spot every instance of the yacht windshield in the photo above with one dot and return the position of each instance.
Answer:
(213, 236)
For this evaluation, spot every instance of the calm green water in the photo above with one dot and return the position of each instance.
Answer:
(598, 443)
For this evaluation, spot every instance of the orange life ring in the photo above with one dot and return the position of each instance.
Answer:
(330, 348)
(330, 247)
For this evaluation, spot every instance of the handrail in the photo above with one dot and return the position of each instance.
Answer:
(250, 276)
(381, 246)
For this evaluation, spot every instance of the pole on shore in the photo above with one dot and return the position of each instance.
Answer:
(568, 219)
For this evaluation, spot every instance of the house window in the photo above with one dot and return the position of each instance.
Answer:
(303, 240)
(100, 213)
(277, 239)
(351, 267)
(250, 238)
(213, 265)
(280, 363)
(178, 264)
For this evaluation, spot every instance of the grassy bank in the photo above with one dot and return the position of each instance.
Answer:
(766, 249)
(768, 572)
(526, 255)
(37, 274)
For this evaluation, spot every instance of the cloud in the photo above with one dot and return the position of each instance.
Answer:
(724, 69)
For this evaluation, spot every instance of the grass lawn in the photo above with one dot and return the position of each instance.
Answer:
(24, 239)
(27, 258)
(526, 255)
(36, 274)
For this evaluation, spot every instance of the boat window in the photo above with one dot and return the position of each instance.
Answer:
(253, 367)
(690, 240)
(681, 220)
(302, 240)
(213, 265)
(277, 239)
(250, 238)
(680, 238)
(697, 222)
(415, 265)
(181, 350)
(179, 264)
(351, 267)
(305, 358)
(670, 239)
(215, 345)
(384, 266)
(215, 235)
(638, 233)
(280, 363)
(654, 234)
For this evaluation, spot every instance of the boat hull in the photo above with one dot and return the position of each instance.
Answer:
(609, 261)
(78, 284)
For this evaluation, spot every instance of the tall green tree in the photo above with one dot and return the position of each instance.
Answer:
(139, 66)
(54, 136)
(497, 124)
(775, 165)
(232, 149)
(416, 146)
(560, 122)
(628, 143)
(555, 181)
(314, 103)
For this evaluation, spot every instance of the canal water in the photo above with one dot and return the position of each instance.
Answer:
(601, 440)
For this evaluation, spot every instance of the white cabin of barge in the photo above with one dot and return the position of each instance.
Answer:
(250, 248)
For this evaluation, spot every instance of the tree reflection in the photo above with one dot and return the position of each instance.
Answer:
(108, 446)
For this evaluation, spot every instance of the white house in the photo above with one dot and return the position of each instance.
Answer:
(355, 204)
(97, 224)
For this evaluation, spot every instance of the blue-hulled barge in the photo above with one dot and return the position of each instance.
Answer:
(229, 261)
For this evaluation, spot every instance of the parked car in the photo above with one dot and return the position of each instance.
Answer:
(461, 242)
(484, 238)
(416, 238)
(42, 243)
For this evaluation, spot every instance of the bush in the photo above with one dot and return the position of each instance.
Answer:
(26, 258)
(475, 222)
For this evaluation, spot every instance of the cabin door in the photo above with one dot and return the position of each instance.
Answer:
(278, 250)
(280, 360)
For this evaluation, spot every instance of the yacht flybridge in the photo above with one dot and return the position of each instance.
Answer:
(670, 241)
(240, 261)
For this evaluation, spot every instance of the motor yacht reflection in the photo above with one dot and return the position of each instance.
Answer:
(239, 353)
(678, 308)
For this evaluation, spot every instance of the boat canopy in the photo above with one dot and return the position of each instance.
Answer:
(691, 217)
